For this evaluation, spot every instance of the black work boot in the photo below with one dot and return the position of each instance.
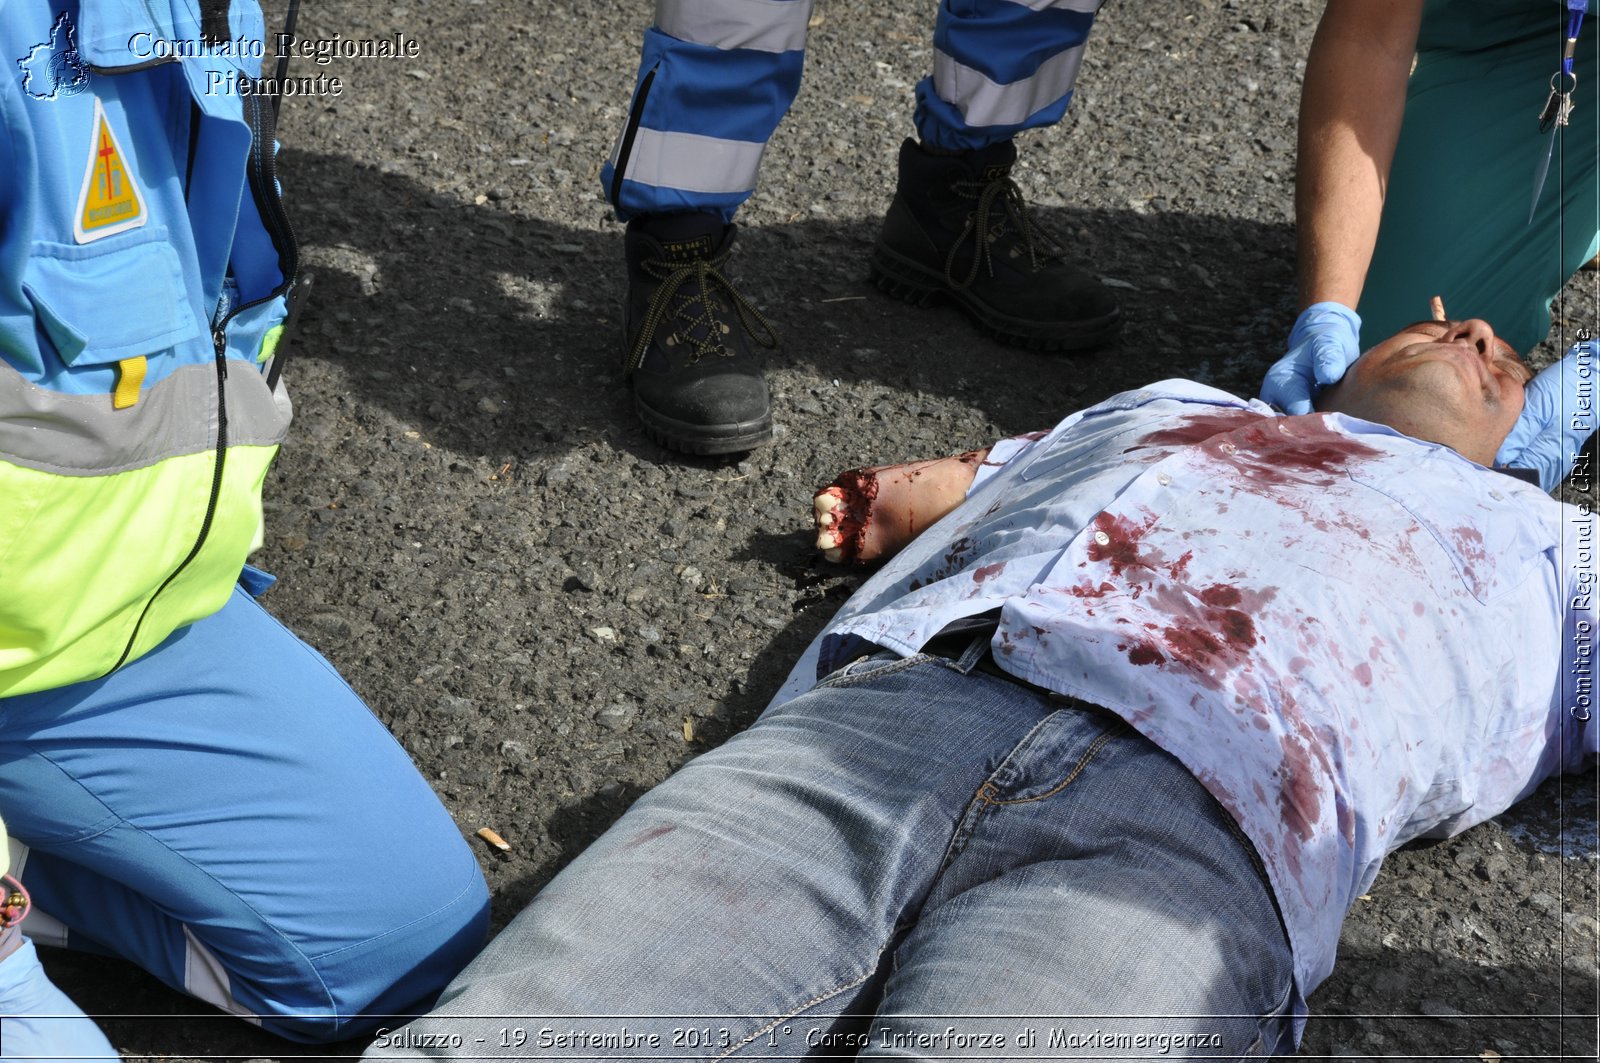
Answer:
(687, 332)
(959, 229)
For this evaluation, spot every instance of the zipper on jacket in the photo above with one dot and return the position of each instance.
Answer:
(133, 68)
(194, 145)
(263, 182)
(220, 343)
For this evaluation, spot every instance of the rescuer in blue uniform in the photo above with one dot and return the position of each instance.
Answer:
(715, 79)
(185, 783)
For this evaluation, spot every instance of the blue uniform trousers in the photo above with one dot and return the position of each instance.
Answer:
(228, 814)
(717, 76)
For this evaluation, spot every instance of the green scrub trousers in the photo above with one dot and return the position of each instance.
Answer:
(1455, 219)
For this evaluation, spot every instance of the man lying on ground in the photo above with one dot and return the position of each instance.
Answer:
(1107, 751)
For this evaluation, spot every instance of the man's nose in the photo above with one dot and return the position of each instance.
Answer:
(1474, 331)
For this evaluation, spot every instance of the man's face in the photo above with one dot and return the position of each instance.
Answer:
(1468, 350)
(1441, 380)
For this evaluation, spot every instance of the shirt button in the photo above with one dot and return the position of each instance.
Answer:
(1102, 538)
(1163, 479)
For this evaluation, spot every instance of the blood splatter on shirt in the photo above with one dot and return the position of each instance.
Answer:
(1311, 613)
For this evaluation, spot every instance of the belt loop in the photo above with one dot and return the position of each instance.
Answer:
(976, 651)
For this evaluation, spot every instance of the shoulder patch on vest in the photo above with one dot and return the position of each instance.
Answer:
(109, 201)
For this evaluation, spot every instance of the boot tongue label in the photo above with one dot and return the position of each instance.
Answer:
(687, 250)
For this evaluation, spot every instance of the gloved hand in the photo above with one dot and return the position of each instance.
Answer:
(1544, 438)
(1325, 340)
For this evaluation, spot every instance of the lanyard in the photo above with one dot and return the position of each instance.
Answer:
(1558, 108)
(1574, 23)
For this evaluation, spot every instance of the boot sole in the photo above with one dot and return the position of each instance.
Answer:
(685, 438)
(901, 278)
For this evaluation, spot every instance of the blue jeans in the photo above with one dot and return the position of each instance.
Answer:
(225, 812)
(885, 866)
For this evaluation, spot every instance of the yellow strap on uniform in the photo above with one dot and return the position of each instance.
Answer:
(130, 377)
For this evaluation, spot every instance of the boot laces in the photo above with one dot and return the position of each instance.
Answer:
(1001, 209)
(704, 328)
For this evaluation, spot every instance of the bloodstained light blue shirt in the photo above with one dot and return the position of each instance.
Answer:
(1351, 637)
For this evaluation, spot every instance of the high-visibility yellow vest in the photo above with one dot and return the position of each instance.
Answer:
(144, 260)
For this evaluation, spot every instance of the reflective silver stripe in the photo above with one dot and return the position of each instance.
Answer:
(1087, 7)
(694, 163)
(983, 102)
(206, 978)
(81, 435)
(616, 146)
(42, 928)
(760, 25)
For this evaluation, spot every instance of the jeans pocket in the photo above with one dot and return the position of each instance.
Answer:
(1275, 1029)
(865, 667)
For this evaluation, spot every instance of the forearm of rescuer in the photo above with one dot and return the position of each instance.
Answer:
(1350, 112)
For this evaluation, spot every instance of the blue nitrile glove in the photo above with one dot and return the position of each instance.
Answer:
(1554, 427)
(40, 1022)
(1325, 341)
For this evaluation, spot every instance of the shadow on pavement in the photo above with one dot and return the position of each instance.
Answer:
(430, 307)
